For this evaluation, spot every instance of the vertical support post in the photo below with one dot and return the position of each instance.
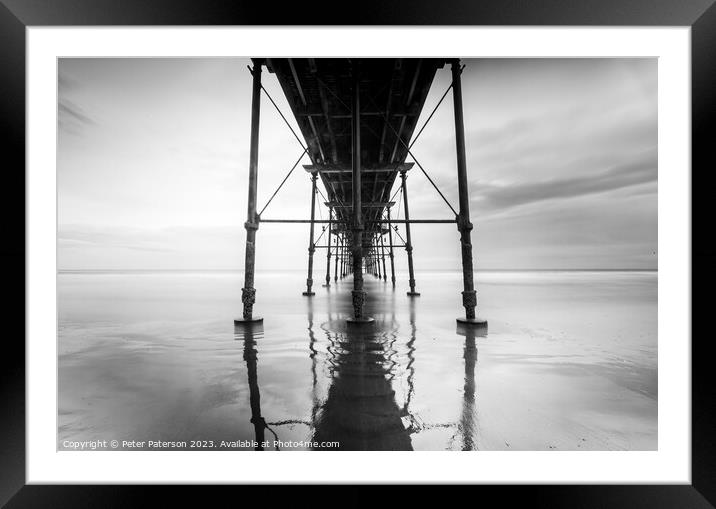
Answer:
(248, 292)
(408, 242)
(377, 258)
(358, 295)
(311, 245)
(469, 296)
(382, 252)
(328, 255)
(335, 262)
(343, 257)
(390, 253)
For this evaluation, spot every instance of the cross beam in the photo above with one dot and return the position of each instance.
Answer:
(330, 168)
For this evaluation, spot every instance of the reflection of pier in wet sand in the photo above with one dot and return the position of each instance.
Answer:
(359, 410)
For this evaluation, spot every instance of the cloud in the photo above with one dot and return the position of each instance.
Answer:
(499, 197)
(71, 118)
(561, 157)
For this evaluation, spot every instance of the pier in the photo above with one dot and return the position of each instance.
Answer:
(358, 121)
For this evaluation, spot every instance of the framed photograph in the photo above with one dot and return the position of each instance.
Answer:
(388, 251)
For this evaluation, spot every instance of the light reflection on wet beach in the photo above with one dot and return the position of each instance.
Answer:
(568, 362)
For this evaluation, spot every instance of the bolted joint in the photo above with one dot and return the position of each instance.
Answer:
(311, 249)
(309, 282)
(251, 226)
(409, 248)
(463, 224)
(259, 420)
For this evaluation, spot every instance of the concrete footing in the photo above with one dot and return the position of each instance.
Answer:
(366, 321)
(244, 321)
(472, 321)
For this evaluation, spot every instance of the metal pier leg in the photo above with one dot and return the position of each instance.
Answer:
(358, 295)
(382, 253)
(335, 262)
(248, 292)
(343, 257)
(311, 245)
(328, 254)
(469, 296)
(368, 266)
(377, 259)
(392, 256)
(408, 243)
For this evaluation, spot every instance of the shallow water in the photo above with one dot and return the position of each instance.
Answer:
(568, 362)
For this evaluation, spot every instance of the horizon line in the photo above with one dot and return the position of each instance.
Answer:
(626, 269)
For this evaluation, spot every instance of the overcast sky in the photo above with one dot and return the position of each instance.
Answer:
(153, 155)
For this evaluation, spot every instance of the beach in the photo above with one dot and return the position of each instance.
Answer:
(568, 361)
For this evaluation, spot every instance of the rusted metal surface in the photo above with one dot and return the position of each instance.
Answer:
(358, 295)
(248, 293)
(469, 296)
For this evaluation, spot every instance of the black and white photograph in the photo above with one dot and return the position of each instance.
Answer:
(362, 254)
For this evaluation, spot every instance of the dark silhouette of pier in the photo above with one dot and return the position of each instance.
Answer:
(359, 410)
(358, 120)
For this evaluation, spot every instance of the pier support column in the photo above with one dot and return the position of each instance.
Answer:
(311, 245)
(358, 295)
(382, 253)
(469, 295)
(377, 259)
(408, 242)
(328, 255)
(248, 292)
(335, 262)
(343, 257)
(390, 252)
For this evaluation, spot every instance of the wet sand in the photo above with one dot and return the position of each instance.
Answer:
(568, 362)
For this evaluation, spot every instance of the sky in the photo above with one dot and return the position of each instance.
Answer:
(152, 166)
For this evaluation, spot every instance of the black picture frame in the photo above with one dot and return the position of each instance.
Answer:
(16, 15)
